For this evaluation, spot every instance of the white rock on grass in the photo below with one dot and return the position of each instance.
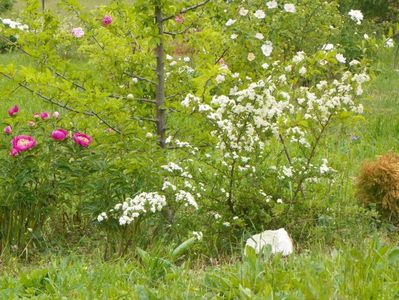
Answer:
(279, 240)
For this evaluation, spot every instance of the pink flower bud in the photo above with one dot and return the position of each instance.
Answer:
(36, 115)
(78, 32)
(8, 129)
(56, 115)
(107, 20)
(44, 115)
(31, 123)
(14, 152)
(82, 139)
(12, 111)
(59, 134)
(179, 19)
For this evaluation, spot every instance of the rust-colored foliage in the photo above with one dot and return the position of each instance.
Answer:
(378, 183)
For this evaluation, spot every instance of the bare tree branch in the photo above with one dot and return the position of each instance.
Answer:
(138, 77)
(186, 10)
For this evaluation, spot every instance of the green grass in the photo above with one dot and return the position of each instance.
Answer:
(52, 4)
(364, 271)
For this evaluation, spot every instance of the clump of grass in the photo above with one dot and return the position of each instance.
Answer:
(378, 185)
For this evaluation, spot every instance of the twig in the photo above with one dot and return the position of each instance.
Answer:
(138, 77)
(186, 10)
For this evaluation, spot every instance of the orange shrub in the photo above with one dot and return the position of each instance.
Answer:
(378, 184)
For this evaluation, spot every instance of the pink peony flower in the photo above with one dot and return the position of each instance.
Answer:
(8, 129)
(107, 20)
(36, 115)
(59, 134)
(23, 143)
(82, 139)
(78, 32)
(56, 115)
(14, 152)
(44, 115)
(12, 111)
(31, 123)
(179, 19)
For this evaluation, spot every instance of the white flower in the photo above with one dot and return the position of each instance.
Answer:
(259, 36)
(233, 36)
(101, 217)
(290, 8)
(243, 12)
(354, 62)
(198, 235)
(251, 56)
(227, 224)
(260, 14)
(299, 56)
(366, 36)
(340, 58)
(287, 171)
(173, 63)
(187, 198)
(324, 167)
(389, 43)
(217, 216)
(267, 48)
(235, 75)
(230, 22)
(265, 66)
(187, 59)
(220, 78)
(271, 4)
(280, 201)
(204, 107)
(148, 135)
(302, 71)
(327, 47)
(356, 15)
(168, 57)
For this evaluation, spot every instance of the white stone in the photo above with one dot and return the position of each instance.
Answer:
(279, 240)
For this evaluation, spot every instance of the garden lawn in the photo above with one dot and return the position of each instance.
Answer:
(351, 268)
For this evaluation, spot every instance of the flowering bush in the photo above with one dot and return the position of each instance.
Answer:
(37, 176)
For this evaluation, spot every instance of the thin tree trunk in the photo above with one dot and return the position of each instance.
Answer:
(43, 4)
(160, 86)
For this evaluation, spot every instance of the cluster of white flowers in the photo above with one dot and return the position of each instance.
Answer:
(188, 198)
(260, 14)
(14, 24)
(246, 119)
(133, 208)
